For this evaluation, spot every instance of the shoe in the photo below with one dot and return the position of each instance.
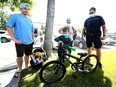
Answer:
(27, 69)
(101, 66)
(17, 74)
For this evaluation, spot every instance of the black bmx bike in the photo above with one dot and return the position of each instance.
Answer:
(55, 70)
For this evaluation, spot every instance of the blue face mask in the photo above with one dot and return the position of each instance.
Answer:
(65, 35)
(91, 15)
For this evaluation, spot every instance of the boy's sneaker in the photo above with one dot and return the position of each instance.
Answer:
(100, 66)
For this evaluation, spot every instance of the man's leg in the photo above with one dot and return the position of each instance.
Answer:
(89, 50)
(98, 53)
(19, 63)
(98, 44)
(26, 59)
(28, 52)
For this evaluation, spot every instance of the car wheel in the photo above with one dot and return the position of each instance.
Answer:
(3, 40)
(81, 45)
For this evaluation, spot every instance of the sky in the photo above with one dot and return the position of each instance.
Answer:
(77, 10)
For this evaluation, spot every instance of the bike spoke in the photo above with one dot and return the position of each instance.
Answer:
(53, 72)
(90, 63)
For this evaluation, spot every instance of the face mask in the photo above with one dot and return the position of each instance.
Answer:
(65, 35)
(68, 24)
(91, 14)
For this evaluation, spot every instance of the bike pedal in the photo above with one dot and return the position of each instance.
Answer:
(85, 71)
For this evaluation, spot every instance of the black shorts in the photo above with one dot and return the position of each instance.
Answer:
(22, 49)
(95, 40)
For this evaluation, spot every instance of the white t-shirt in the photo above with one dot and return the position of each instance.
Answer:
(70, 32)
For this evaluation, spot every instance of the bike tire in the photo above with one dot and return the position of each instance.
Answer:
(52, 72)
(90, 64)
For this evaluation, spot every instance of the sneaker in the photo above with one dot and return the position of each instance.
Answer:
(101, 66)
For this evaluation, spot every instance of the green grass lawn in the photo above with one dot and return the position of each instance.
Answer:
(99, 78)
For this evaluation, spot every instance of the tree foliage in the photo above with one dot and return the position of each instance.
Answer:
(11, 5)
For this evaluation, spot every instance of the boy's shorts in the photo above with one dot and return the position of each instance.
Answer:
(95, 40)
(22, 49)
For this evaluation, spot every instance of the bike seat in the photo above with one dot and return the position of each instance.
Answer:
(82, 54)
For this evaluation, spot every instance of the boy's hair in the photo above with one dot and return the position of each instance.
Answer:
(64, 29)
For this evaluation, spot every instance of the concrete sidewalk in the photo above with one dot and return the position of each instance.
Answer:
(7, 74)
(8, 64)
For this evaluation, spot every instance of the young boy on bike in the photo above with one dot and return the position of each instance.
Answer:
(63, 39)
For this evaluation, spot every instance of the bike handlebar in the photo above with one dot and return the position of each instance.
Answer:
(72, 48)
(66, 46)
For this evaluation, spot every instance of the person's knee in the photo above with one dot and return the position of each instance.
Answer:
(98, 49)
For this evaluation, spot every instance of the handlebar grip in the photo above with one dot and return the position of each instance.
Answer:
(72, 48)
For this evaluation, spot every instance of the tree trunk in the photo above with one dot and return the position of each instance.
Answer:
(49, 27)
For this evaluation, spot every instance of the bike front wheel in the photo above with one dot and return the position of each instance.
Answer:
(52, 71)
(90, 64)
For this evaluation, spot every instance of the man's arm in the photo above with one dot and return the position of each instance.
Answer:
(74, 30)
(83, 33)
(60, 30)
(10, 31)
(104, 32)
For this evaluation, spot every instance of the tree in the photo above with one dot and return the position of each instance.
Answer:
(49, 27)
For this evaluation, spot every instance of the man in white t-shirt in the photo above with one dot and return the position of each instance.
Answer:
(72, 31)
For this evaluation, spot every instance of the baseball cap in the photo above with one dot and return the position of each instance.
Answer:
(24, 5)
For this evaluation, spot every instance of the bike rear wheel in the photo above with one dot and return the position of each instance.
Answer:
(90, 64)
(52, 71)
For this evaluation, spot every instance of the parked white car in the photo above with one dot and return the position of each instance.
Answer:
(109, 41)
(4, 36)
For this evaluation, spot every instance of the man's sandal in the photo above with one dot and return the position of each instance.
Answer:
(17, 74)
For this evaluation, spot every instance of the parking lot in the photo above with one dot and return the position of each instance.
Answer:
(7, 50)
(8, 54)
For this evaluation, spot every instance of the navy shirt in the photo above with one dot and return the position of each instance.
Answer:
(93, 24)
(65, 40)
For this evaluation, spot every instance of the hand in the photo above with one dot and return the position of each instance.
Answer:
(60, 42)
(103, 38)
(17, 41)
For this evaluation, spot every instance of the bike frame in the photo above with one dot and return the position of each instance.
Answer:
(73, 57)
(64, 54)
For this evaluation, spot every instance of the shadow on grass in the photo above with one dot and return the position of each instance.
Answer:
(29, 78)
(96, 79)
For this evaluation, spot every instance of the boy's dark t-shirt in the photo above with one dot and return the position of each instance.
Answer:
(65, 40)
